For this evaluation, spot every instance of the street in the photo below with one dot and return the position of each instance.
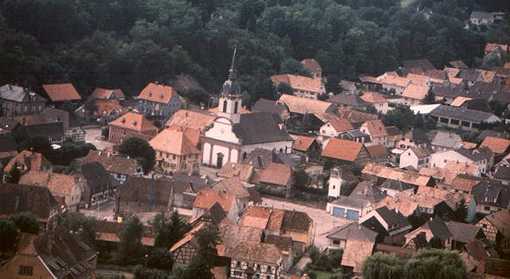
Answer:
(93, 135)
(323, 222)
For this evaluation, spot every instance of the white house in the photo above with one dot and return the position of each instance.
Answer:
(334, 127)
(481, 157)
(415, 157)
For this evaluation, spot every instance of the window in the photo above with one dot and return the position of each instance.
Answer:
(225, 106)
(25, 270)
(488, 208)
(236, 107)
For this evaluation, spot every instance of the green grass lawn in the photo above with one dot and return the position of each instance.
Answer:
(322, 274)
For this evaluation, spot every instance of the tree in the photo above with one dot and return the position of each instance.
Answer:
(26, 222)
(140, 149)
(430, 98)
(402, 117)
(435, 264)
(130, 249)
(461, 212)
(168, 230)
(201, 264)
(382, 266)
(80, 224)
(292, 66)
(13, 175)
(8, 235)
(160, 258)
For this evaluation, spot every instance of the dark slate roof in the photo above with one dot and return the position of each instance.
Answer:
(296, 221)
(265, 105)
(476, 155)
(492, 193)
(353, 202)
(260, 127)
(64, 254)
(146, 191)
(54, 129)
(419, 136)
(351, 100)
(367, 190)
(284, 243)
(193, 183)
(439, 228)
(448, 91)
(461, 113)
(352, 231)
(394, 219)
(97, 178)
(483, 90)
(462, 232)
(7, 143)
(16, 198)
(469, 74)
(502, 172)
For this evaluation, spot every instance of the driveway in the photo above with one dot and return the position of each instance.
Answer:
(93, 135)
(323, 222)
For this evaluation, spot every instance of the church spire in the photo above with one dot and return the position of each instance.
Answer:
(230, 86)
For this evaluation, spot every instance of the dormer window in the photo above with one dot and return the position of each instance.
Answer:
(134, 123)
(150, 94)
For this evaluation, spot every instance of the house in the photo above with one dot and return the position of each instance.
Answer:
(501, 172)
(99, 186)
(53, 254)
(107, 94)
(386, 222)
(418, 66)
(356, 117)
(26, 161)
(355, 135)
(177, 150)
(301, 106)
(140, 194)
(100, 110)
(230, 194)
(306, 87)
(131, 124)
(348, 101)
(376, 130)
(464, 183)
(481, 157)
(234, 135)
(53, 131)
(312, 66)
(414, 138)
(62, 93)
(119, 167)
(378, 153)
(263, 259)
(307, 146)
(285, 223)
(108, 235)
(334, 127)
(496, 228)
(415, 94)
(395, 187)
(158, 100)
(490, 196)
(499, 146)
(450, 235)
(479, 18)
(273, 107)
(63, 187)
(357, 204)
(345, 152)
(339, 236)
(17, 198)
(378, 101)
(462, 118)
(381, 172)
(8, 148)
(392, 83)
(186, 248)
(415, 157)
(276, 178)
(16, 100)
(444, 140)
(191, 119)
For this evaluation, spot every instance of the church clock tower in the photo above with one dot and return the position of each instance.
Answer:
(230, 99)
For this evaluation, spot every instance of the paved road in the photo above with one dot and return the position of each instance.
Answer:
(323, 222)
(93, 135)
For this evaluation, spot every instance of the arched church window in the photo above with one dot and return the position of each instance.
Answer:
(225, 106)
(236, 107)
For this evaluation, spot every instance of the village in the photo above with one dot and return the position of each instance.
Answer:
(102, 184)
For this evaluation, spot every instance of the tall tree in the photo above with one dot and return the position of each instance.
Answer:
(8, 235)
(130, 249)
(169, 230)
(26, 222)
(141, 150)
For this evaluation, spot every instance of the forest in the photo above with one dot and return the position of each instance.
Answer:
(127, 43)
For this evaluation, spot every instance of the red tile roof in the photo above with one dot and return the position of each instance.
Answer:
(177, 141)
(375, 128)
(341, 124)
(61, 92)
(340, 149)
(496, 145)
(199, 120)
(303, 143)
(275, 174)
(134, 121)
(373, 97)
(299, 82)
(158, 93)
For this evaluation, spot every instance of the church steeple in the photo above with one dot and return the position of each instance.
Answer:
(230, 86)
(230, 97)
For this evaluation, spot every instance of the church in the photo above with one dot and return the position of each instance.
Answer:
(234, 135)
